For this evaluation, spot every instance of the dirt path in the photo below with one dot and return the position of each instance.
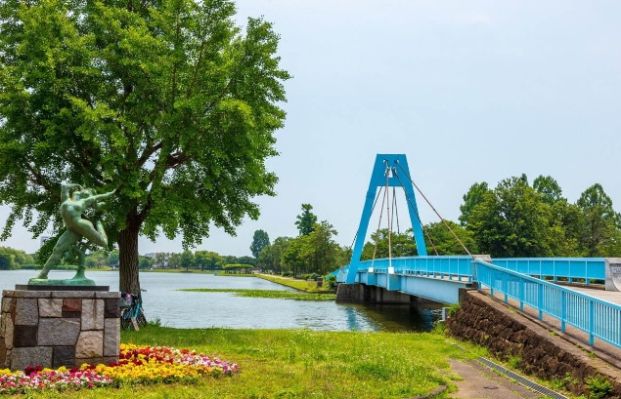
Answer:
(479, 382)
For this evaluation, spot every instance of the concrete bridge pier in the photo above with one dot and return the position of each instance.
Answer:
(370, 294)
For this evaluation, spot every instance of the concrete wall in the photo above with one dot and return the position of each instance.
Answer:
(361, 293)
(613, 274)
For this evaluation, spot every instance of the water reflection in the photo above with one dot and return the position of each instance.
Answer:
(352, 321)
(175, 308)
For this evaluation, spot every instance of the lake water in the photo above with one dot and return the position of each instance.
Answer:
(174, 308)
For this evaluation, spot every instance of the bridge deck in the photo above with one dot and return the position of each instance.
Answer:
(610, 296)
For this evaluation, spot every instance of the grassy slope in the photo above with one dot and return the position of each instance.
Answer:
(296, 364)
(298, 296)
(301, 285)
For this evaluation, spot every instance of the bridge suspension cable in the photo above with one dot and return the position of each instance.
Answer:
(389, 216)
(426, 233)
(372, 209)
(394, 207)
(379, 224)
(435, 210)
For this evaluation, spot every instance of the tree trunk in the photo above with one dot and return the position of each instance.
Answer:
(128, 256)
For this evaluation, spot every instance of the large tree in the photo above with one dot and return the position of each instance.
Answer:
(600, 227)
(306, 221)
(260, 240)
(515, 220)
(167, 101)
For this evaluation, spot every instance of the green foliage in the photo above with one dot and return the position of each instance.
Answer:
(306, 221)
(271, 257)
(441, 241)
(274, 294)
(315, 252)
(549, 189)
(14, 258)
(600, 234)
(260, 240)
(113, 258)
(170, 101)
(514, 362)
(237, 268)
(203, 260)
(476, 195)
(186, 260)
(516, 219)
(452, 310)
(598, 387)
(103, 258)
(402, 244)
(246, 260)
(300, 285)
(438, 238)
(207, 260)
(564, 383)
(145, 263)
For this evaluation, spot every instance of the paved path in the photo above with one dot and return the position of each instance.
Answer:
(479, 382)
(610, 296)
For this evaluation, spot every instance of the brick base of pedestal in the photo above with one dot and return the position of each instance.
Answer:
(58, 328)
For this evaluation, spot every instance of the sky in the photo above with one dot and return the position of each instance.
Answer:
(469, 91)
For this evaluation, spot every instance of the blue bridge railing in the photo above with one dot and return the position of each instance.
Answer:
(522, 280)
(451, 267)
(570, 269)
(597, 318)
(588, 270)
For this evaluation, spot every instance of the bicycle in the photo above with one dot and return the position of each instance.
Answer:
(132, 314)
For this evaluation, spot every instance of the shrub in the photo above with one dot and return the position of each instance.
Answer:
(599, 387)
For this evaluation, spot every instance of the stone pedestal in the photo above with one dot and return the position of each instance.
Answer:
(58, 328)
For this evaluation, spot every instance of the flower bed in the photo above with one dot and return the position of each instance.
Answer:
(136, 365)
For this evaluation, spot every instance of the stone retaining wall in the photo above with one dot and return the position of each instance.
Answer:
(507, 333)
(58, 328)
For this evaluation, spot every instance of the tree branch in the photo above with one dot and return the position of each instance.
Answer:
(38, 178)
(148, 152)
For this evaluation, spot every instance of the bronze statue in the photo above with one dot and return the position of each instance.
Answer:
(75, 201)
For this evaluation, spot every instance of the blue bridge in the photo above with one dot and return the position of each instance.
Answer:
(541, 285)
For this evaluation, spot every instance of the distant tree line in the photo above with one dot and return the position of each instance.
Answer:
(202, 260)
(14, 259)
(518, 219)
(313, 251)
(11, 258)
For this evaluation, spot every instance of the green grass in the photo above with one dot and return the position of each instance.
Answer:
(301, 285)
(299, 364)
(223, 274)
(276, 294)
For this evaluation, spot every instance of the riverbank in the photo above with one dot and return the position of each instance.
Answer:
(300, 285)
(190, 271)
(297, 364)
(223, 274)
(275, 294)
(197, 271)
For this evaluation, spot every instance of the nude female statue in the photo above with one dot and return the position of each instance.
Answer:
(75, 200)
